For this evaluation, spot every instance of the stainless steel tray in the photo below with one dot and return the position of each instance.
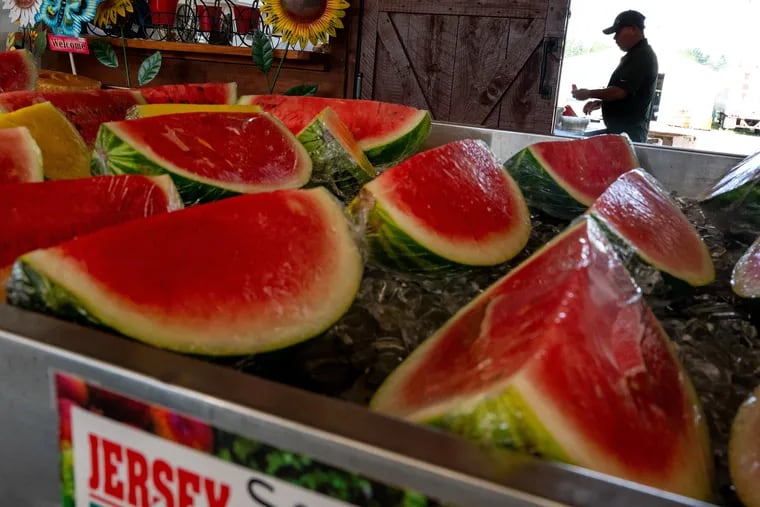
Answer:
(335, 432)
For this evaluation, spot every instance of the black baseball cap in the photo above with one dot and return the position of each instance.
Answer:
(626, 18)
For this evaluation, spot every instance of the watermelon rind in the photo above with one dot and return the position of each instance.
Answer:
(519, 427)
(513, 410)
(337, 161)
(541, 190)
(633, 250)
(385, 151)
(115, 153)
(148, 110)
(27, 152)
(387, 243)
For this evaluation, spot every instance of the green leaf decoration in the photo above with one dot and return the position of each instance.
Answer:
(304, 89)
(149, 69)
(40, 43)
(261, 51)
(105, 53)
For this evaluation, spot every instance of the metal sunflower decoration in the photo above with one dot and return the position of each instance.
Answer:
(304, 21)
(296, 22)
(113, 13)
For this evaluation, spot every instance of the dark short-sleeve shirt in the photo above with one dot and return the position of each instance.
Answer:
(637, 75)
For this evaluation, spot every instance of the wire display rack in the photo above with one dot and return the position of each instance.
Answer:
(219, 22)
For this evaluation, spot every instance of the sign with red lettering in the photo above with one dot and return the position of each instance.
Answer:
(68, 44)
(120, 452)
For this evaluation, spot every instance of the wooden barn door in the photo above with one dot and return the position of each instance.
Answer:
(479, 62)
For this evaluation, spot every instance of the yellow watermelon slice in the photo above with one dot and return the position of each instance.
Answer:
(64, 153)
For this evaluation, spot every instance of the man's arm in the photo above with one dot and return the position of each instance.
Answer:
(608, 94)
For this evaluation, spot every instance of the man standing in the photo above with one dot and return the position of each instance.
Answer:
(626, 101)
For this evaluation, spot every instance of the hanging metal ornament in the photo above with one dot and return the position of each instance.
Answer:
(66, 17)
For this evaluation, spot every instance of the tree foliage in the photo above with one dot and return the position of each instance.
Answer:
(702, 58)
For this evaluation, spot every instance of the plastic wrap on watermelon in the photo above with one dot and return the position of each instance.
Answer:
(562, 358)
(733, 200)
(562, 178)
(442, 209)
(40, 215)
(648, 228)
(338, 163)
(252, 273)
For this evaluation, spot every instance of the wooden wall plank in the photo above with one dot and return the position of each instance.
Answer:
(477, 8)
(431, 43)
(523, 37)
(556, 18)
(388, 86)
(369, 46)
(389, 38)
(520, 106)
(478, 55)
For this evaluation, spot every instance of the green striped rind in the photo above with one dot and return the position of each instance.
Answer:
(30, 290)
(504, 420)
(333, 166)
(395, 149)
(113, 155)
(389, 245)
(637, 264)
(541, 191)
(738, 210)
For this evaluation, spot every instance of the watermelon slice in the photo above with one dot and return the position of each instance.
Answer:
(745, 279)
(744, 451)
(388, 133)
(39, 215)
(193, 93)
(562, 358)
(64, 154)
(20, 157)
(209, 155)
(57, 81)
(734, 199)
(452, 205)
(646, 224)
(17, 70)
(337, 161)
(147, 110)
(239, 276)
(85, 109)
(562, 178)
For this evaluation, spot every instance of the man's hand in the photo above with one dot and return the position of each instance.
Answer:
(591, 105)
(581, 93)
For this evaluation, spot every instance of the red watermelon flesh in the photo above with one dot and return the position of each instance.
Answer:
(17, 71)
(241, 149)
(86, 109)
(745, 279)
(193, 93)
(457, 201)
(20, 156)
(639, 211)
(38, 215)
(369, 121)
(586, 167)
(567, 333)
(241, 275)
